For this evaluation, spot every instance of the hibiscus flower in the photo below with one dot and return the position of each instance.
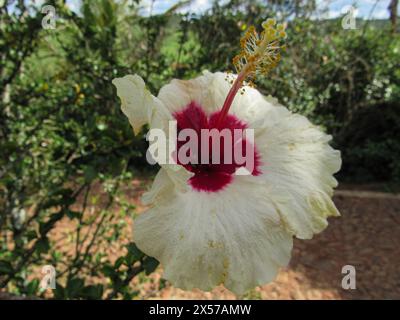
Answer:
(207, 224)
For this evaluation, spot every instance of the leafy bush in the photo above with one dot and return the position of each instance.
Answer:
(63, 137)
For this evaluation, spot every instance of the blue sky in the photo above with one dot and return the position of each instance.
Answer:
(333, 8)
(379, 8)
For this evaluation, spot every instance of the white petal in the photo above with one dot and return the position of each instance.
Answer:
(138, 104)
(299, 164)
(179, 93)
(210, 91)
(141, 108)
(203, 240)
(170, 178)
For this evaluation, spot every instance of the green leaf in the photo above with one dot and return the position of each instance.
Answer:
(119, 262)
(90, 174)
(42, 245)
(74, 286)
(6, 267)
(93, 292)
(109, 271)
(32, 287)
(31, 234)
(73, 214)
(45, 227)
(134, 254)
(59, 292)
(150, 264)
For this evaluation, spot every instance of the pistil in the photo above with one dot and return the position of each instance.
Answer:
(259, 55)
(230, 97)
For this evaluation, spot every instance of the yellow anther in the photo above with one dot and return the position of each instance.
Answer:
(269, 23)
(282, 34)
(269, 32)
(260, 52)
(251, 29)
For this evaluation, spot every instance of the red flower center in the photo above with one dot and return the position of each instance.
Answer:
(211, 176)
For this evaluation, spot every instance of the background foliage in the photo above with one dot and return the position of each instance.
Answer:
(67, 151)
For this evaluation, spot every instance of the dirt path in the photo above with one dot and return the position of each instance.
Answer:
(367, 194)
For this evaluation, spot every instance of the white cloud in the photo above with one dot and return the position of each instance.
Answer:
(200, 5)
(73, 5)
(381, 14)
